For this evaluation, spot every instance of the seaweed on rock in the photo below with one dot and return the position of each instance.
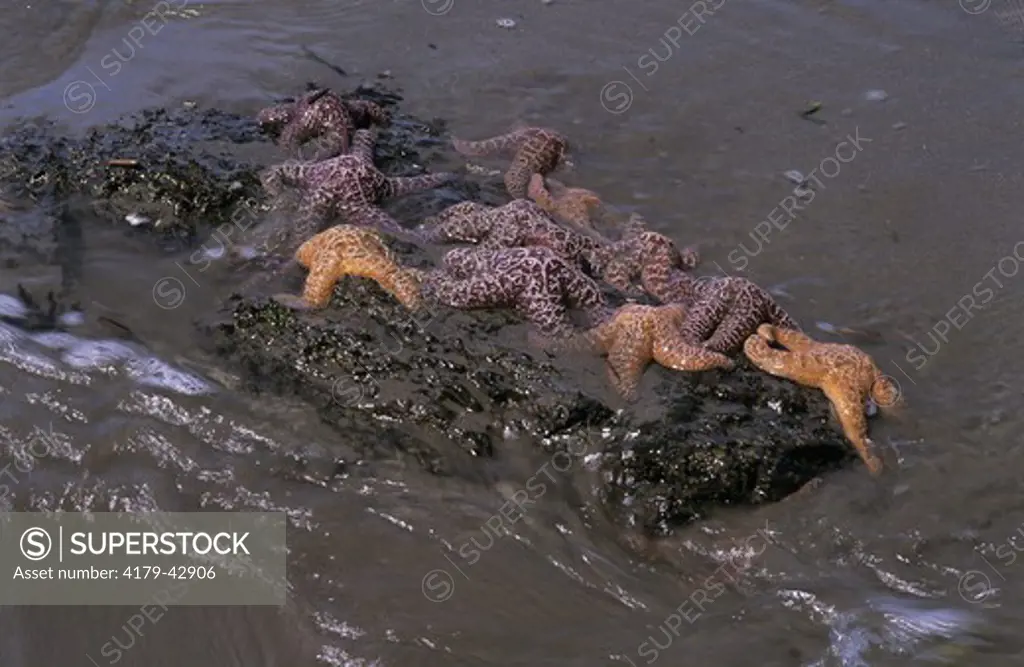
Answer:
(441, 389)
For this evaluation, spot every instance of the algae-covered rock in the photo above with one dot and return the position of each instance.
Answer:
(439, 387)
(442, 388)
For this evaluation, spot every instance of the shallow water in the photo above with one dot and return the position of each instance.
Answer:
(911, 234)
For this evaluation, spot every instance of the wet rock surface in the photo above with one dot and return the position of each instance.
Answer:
(441, 388)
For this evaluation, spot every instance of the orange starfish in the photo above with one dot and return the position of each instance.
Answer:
(347, 250)
(635, 335)
(846, 375)
(536, 150)
(573, 205)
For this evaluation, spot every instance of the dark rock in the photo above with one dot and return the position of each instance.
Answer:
(443, 388)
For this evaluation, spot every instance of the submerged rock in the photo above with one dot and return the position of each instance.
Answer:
(443, 388)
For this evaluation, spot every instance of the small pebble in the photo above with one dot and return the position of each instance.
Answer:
(136, 220)
(508, 24)
(876, 96)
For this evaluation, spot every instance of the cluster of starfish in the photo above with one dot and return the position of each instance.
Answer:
(542, 256)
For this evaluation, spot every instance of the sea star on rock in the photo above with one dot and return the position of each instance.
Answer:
(534, 281)
(536, 150)
(346, 250)
(321, 115)
(636, 335)
(723, 311)
(846, 375)
(648, 255)
(575, 206)
(518, 224)
(349, 185)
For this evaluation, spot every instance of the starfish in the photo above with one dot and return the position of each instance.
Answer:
(320, 114)
(723, 310)
(651, 256)
(347, 184)
(536, 150)
(573, 205)
(346, 250)
(846, 375)
(518, 224)
(636, 335)
(533, 281)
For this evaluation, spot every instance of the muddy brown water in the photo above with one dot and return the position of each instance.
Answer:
(913, 232)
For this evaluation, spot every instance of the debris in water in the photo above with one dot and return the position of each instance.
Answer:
(136, 220)
(795, 176)
(811, 109)
(123, 162)
(508, 24)
(876, 95)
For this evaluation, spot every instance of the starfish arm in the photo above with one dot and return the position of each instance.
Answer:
(884, 391)
(849, 407)
(538, 192)
(313, 212)
(468, 224)
(791, 338)
(330, 144)
(689, 258)
(672, 352)
(308, 251)
(404, 284)
(463, 262)
(363, 144)
(627, 359)
(373, 217)
(583, 293)
(660, 264)
(547, 312)
(781, 318)
(732, 330)
(618, 273)
(479, 291)
(287, 174)
(703, 318)
(320, 283)
(399, 186)
(364, 113)
(294, 133)
(504, 143)
(801, 368)
(504, 234)
(517, 178)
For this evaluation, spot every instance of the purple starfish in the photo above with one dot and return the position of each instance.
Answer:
(723, 311)
(518, 224)
(649, 256)
(320, 115)
(349, 185)
(534, 281)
